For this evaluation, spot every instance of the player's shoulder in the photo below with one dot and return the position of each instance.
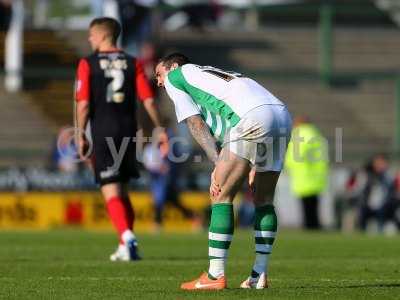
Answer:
(88, 60)
(180, 75)
(191, 70)
(175, 76)
(190, 67)
(83, 63)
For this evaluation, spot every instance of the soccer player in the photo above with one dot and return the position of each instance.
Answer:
(108, 83)
(254, 129)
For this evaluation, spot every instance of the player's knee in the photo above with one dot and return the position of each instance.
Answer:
(221, 198)
(214, 198)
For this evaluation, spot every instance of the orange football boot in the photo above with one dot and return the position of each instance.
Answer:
(204, 283)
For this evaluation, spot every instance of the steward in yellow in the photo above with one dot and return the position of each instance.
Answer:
(307, 163)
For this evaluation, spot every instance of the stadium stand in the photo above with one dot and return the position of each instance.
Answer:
(284, 58)
(23, 141)
(35, 108)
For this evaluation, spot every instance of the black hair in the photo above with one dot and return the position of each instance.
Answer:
(109, 24)
(172, 58)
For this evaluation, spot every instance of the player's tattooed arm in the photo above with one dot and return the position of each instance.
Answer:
(202, 135)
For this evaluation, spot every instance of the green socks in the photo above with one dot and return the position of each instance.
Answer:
(219, 238)
(265, 226)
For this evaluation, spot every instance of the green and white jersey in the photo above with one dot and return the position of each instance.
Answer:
(221, 98)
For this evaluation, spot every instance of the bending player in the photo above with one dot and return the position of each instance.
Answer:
(108, 83)
(254, 128)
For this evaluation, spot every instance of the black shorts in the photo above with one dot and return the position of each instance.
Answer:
(106, 167)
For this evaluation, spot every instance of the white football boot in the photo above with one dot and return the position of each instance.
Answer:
(127, 252)
(255, 283)
(121, 254)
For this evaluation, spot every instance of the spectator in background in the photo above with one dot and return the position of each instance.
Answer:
(164, 178)
(136, 23)
(347, 201)
(369, 194)
(148, 57)
(5, 14)
(375, 191)
(64, 153)
(308, 166)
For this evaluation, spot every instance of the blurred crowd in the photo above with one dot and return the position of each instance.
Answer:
(370, 198)
(138, 17)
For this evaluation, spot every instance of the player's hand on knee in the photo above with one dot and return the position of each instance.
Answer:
(215, 189)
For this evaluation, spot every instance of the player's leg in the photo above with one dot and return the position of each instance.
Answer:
(271, 151)
(130, 212)
(114, 196)
(265, 227)
(132, 244)
(230, 172)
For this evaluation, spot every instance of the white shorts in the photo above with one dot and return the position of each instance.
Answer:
(261, 137)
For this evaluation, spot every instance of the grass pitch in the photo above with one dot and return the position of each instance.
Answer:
(72, 264)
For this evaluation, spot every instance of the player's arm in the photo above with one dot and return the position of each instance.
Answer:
(146, 95)
(82, 115)
(201, 133)
(151, 108)
(162, 136)
(82, 96)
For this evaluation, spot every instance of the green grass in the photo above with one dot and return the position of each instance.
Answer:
(72, 264)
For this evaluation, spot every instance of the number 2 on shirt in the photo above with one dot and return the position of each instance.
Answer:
(117, 82)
